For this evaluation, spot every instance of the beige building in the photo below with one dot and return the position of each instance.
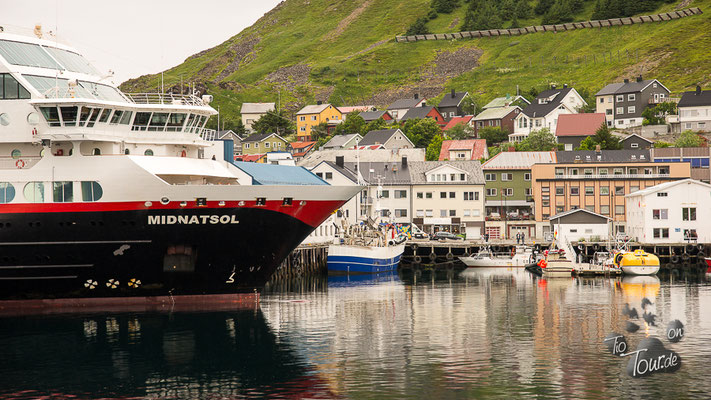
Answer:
(449, 196)
(598, 181)
(251, 112)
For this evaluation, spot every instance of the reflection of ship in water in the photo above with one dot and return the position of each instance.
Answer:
(635, 288)
(179, 355)
(362, 279)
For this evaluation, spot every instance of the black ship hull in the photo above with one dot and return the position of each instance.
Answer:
(127, 252)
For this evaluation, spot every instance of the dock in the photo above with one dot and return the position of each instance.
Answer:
(588, 269)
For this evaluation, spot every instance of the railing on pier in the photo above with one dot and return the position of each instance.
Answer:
(165, 98)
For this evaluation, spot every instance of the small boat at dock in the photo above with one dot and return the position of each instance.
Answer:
(637, 262)
(365, 251)
(486, 258)
(552, 265)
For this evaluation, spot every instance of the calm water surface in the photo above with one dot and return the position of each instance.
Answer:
(484, 333)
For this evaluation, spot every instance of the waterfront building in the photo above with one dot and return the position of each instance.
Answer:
(448, 196)
(469, 149)
(598, 181)
(672, 212)
(544, 111)
(580, 225)
(399, 107)
(698, 157)
(509, 199)
(451, 105)
(574, 128)
(313, 115)
(695, 111)
(389, 138)
(623, 103)
(251, 112)
(260, 143)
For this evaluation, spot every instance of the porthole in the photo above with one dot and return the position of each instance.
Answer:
(261, 201)
(16, 154)
(4, 119)
(164, 200)
(33, 118)
(148, 152)
(183, 204)
(127, 152)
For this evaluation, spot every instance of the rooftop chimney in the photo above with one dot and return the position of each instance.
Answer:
(319, 102)
(627, 80)
(417, 96)
(698, 90)
(404, 162)
(339, 161)
(454, 94)
(552, 85)
(597, 149)
(639, 78)
(565, 85)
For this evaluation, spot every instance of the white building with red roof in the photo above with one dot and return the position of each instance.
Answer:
(469, 149)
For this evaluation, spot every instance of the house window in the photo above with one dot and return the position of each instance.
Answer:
(574, 171)
(451, 114)
(690, 234)
(319, 174)
(619, 210)
(574, 190)
(506, 177)
(420, 213)
(558, 209)
(617, 171)
(266, 144)
(631, 97)
(491, 192)
(608, 112)
(490, 177)
(442, 195)
(246, 145)
(428, 195)
(385, 194)
(688, 214)
(452, 195)
(529, 192)
(661, 233)
(559, 171)
(662, 194)
(591, 209)
(620, 97)
(634, 145)
(467, 213)
(620, 110)
(634, 189)
(508, 192)
(256, 145)
(302, 118)
(302, 129)
(471, 196)
(400, 194)
(538, 123)
(631, 110)
(619, 190)
(602, 171)
(604, 190)
(527, 176)
(589, 190)
(428, 213)
(568, 147)
(660, 213)
(588, 171)
(420, 195)
(452, 213)
(401, 213)
(329, 175)
(559, 191)
(632, 171)
(313, 118)
(605, 210)
(462, 177)
(602, 100)
(442, 213)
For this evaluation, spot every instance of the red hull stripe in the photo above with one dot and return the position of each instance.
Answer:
(312, 212)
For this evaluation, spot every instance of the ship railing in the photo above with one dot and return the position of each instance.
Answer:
(19, 162)
(208, 134)
(165, 98)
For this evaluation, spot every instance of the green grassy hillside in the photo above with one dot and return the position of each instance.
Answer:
(344, 52)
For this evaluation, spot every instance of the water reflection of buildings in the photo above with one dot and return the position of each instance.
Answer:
(181, 355)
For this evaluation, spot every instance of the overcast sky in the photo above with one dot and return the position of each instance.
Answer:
(137, 37)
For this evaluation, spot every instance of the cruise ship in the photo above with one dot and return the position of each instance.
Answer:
(105, 194)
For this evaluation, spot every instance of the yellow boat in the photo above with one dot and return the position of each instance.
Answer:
(637, 262)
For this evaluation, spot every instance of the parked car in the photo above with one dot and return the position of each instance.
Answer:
(446, 236)
(420, 235)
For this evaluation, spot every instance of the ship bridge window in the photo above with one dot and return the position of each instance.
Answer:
(105, 115)
(93, 117)
(51, 115)
(190, 123)
(158, 122)
(63, 192)
(27, 54)
(72, 61)
(175, 122)
(69, 115)
(34, 192)
(84, 115)
(102, 92)
(140, 123)
(91, 191)
(56, 88)
(10, 89)
(116, 117)
(7, 192)
(126, 118)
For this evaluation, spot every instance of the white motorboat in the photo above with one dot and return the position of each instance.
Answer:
(486, 258)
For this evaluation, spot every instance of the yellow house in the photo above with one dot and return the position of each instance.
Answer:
(263, 143)
(313, 115)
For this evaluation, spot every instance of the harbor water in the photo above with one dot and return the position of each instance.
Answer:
(480, 333)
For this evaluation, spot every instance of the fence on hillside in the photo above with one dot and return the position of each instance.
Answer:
(555, 28)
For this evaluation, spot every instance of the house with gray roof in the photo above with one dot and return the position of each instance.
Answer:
(502, 117)
(507, 101)
(388, 138)
(448, 196)
(370, 116)
(399, 107)
(451, 105)
(544, 111)
(695, 111)
(343, 141)
(623, 102)
(424, 112)
(251, 112)
(235, 138)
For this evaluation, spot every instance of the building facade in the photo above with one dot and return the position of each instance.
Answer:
(598, 181)
(695, 110)
(544, 111)
(313, 115)
(251, 112)
(623, 103)
(263, 143)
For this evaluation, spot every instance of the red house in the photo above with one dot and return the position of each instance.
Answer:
(424, 112)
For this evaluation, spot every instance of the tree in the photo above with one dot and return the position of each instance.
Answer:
(470, 106)
(421, 131)
(661, 144)
(274, 122)
(444, 6)
(376, 125)
(418, 28)
(434, 148)
(559, 13)
(602, 137)
(589, 98)
(657, 115)
(541, 140)
(319, 131)
(460, 131)
(689, 139)
(543, 6)
(493, 135)
(523, 9)
(353, 123)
